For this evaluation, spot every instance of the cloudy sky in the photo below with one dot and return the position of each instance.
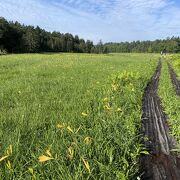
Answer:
(109, 20)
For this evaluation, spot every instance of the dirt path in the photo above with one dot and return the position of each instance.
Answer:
(161, 164)
(175, 81)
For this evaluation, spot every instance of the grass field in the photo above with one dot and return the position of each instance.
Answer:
(176, 63)
(72, 116)
(169, 98)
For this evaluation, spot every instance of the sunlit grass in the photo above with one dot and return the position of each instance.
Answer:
(170, 101)
(175, 61)
(72, 116)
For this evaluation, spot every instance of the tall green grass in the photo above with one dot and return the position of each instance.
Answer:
(84, 109)
(170, 101)
(175, 61)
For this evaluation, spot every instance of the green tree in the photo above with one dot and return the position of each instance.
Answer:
(30, 41)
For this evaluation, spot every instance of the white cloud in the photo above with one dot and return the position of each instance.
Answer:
(109, 20)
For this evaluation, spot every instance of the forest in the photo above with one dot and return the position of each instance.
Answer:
(172, 45)
(18, 38)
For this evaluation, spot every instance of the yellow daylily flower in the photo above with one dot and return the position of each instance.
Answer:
(107, 107)
(84, 114)
(48, 153)
(119, 109)
(2, 158)
(44, 158)
(78, 129)
(60, 126)
(69, 129)
(88, 140)
(86, 164)
(70, 153)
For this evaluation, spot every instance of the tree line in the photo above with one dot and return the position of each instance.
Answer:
(172, 45)
(18, 38)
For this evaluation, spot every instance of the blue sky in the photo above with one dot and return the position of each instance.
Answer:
(109, 20)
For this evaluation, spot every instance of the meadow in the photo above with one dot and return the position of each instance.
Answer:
(170, 100)
(175, 59)
(72, 116)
